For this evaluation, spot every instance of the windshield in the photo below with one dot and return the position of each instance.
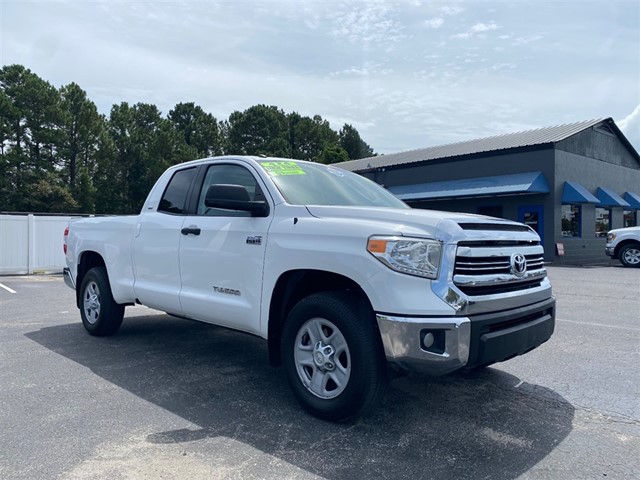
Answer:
(303, 183)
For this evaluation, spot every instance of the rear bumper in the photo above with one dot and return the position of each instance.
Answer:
(438, 346)
(68, 279)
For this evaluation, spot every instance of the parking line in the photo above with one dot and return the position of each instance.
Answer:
(7, 288)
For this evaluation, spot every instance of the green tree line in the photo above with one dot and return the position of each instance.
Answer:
(59, 154)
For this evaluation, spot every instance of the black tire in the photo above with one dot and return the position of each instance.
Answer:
(629, 255)
(101, 315)
(355, 381)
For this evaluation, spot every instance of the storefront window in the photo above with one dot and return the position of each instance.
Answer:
(629, 218)
(571, 220)
(603, 221)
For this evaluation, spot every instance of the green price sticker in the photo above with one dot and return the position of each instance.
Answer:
(280, 169)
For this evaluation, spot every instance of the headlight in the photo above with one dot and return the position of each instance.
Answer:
(611, 237)
(413, 256)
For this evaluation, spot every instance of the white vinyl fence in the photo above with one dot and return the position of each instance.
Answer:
(31, 243)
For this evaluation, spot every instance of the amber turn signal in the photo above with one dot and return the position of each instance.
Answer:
(377, 246)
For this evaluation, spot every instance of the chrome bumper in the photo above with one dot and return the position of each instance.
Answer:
(610, 251)
(438, 346)
(68, 279)
(403, 339)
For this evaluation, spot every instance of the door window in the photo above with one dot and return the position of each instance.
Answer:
(228, 175)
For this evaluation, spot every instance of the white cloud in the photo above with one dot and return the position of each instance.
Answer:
(501, 67)
(365, 70)
(527, 40)
(483, 27)
(370, 23)
(436, 22)
(479, 29)
(452, 10)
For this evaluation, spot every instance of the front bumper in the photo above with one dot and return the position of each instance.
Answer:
(68, 279)
(610, 251)
(457, 342)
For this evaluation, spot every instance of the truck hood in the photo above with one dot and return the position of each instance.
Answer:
(630, 230)
(445, 226)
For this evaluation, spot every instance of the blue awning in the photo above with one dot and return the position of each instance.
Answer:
(575, 193)
(633, 199)
(520, 183)
(609, 198)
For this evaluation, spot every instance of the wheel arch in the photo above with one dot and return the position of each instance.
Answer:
(86, 262)
(294, 285)
(624, 243)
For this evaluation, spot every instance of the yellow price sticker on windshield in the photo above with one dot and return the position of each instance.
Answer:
(279, 169)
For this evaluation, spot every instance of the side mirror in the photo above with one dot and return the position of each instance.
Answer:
(234, 197)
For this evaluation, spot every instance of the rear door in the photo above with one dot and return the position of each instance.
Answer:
(222, 258)
(156, 246)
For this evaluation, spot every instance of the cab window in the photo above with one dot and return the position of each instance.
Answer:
(175, 195)
(227, 174)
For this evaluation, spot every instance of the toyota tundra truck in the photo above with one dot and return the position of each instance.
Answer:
(343, 280)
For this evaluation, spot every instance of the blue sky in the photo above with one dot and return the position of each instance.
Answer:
(407, 74)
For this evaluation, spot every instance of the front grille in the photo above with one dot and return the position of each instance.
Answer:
(486, 269)
(493, 265)
(499, 288)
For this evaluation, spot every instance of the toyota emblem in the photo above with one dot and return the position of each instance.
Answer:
(518, 264)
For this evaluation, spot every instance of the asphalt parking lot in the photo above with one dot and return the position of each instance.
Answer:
(169, 399)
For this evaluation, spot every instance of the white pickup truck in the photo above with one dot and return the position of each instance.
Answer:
(624, 244)
(340, 277)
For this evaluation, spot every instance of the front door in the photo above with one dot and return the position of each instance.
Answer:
(532, 215)
(221, 266)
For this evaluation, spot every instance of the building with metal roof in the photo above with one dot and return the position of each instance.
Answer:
(571, 183)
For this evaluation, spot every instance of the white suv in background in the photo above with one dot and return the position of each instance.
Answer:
(624, 244)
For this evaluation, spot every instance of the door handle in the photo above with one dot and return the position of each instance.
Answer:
(193, 230)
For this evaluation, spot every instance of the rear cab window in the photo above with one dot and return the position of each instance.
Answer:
(174, 197)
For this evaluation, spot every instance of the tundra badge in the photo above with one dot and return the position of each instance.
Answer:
(228, 291)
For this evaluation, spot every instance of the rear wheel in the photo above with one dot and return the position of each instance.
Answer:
(333, 356)
(101, 315)
(630, 255)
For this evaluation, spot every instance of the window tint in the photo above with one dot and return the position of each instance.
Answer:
(228, 175)
(175, 195)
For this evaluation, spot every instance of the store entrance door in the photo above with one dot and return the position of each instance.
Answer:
(532, 215)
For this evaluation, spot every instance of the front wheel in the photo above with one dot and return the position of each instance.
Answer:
(101, 315)
(630, 255)
(333, 356)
